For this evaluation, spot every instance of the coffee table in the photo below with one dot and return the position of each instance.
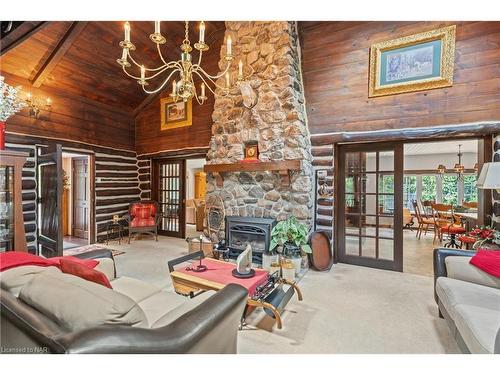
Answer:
(264, 290)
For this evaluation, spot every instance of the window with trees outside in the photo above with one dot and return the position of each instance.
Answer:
(440, 188)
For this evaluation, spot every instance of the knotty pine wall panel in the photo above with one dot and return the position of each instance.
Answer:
(73, 118)
(150, 139)
(335, 62)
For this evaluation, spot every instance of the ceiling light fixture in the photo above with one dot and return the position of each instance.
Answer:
(181, 72)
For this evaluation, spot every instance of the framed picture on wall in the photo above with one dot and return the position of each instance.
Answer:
(417, 62)
(175, 114)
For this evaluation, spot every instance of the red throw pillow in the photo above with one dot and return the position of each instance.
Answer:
(77, 269)
(488, 261)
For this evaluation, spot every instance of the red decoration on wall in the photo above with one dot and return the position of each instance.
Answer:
(2, 135)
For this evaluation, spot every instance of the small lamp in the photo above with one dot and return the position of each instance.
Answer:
(489, 177)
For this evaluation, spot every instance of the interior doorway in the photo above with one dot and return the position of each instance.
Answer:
(378, 186)
(179, 187)
(196, 180)
(430, 177)
(76, 200)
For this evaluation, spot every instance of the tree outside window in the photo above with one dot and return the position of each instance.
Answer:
(450, 189)
(470, 189)
(409, 191)
(429, 188)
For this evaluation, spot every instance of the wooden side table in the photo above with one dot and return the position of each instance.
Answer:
(114, 228)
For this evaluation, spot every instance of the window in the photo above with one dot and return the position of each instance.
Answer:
(470, 190)
(386, 186)
(409, 191)
(450, 189)
(429, 188)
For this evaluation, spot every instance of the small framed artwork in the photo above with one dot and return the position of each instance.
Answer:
(175, 114)
(417, 62)
(251, 152)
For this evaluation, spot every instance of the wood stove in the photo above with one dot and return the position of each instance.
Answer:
(241, 231)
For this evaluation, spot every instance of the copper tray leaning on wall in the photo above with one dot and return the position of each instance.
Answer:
(321, 258)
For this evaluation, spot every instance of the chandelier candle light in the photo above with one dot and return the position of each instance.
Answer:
(181, 72)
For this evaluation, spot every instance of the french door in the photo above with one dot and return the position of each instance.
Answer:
(50, 191)
(370, 205)
(169, 192)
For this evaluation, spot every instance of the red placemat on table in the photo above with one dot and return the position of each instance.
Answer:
(220, 272)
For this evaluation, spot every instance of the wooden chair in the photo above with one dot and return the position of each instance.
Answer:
(143, 217)
(470, 204)
(427, 207)
(447, 223)
(407, 219)
(423, 223)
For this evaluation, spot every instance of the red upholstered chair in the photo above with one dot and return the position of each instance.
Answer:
(143, 217)
(447, 223)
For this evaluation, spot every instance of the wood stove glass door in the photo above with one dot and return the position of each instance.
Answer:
(169, 192)
(370, 210)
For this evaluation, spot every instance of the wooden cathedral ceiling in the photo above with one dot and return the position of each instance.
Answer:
(79, 58)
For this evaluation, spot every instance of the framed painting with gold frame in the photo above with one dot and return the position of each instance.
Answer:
(175, 114)
(417, 62)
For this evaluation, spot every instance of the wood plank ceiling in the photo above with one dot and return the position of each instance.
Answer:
(79, 58)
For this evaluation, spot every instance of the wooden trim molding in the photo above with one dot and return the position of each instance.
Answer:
(200, 152)
(284, 168)
(459, 130)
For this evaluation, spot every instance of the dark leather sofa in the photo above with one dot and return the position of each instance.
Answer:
(210, 327)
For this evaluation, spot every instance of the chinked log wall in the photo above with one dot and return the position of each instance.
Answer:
(117, 181)
(116, 186)
(496, 195)
(323, 160)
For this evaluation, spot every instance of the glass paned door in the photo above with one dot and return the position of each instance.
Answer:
(170, 196)
(369, 229)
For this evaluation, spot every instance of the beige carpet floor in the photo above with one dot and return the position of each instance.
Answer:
(347, 310)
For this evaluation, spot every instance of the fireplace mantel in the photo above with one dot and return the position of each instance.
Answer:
(284, 167)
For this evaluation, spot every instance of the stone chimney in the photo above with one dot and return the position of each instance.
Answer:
(277, 123)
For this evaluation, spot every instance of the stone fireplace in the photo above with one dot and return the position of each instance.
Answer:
(276, 123)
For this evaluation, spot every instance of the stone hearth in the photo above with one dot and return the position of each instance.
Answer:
(277, 123)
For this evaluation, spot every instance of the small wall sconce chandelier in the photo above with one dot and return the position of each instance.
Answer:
(36, 104)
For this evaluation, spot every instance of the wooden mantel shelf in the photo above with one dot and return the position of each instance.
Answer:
(283, 167)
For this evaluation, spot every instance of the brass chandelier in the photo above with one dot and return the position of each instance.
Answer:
(458, 168)
(183, 71)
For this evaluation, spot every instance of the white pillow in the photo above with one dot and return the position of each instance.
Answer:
(458, 267)
(77, 304)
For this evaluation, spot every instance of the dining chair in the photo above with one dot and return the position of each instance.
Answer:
(447, 223)
(427, 207)
(470, 204)
(423, 222)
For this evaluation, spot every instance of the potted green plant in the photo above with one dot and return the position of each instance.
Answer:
(292, 236)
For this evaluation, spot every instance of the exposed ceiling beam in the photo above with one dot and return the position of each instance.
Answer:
(58, 52)
(19, 35)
